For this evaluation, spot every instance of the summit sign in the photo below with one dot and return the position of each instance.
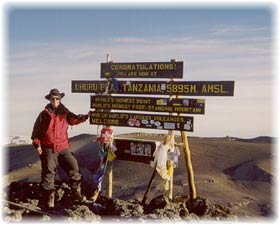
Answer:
(142, 70)
(140, 95)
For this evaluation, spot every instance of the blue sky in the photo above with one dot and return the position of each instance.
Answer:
(48, 47)
(98, 23)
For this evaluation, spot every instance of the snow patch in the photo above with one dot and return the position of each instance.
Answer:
(17, 140)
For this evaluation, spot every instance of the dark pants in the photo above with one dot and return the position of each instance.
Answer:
(50, 159)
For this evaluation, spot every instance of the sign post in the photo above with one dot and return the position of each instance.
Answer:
(103, 104)
(109, 172)
(109, 180)
(170, 164)
(187, 154)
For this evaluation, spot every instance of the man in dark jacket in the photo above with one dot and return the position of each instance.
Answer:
(50, 138)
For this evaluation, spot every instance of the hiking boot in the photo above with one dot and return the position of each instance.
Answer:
(47, 200)
(51, 199)
(77, 192)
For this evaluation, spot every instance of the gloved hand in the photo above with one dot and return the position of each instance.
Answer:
(80, 116)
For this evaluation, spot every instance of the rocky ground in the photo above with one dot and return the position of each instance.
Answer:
(28, 195)
(234, 178)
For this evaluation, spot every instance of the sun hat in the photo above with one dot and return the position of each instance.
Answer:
(54, 92)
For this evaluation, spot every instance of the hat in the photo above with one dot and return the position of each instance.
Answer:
(54, 92)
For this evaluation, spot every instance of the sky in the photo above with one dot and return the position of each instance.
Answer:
(48, 46)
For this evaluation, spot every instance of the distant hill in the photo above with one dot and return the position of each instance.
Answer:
(80, 137)
(17, 140)
(260, 139)
(22, 140)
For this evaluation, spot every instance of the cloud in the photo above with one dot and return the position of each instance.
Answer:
(129, 40)
(238, 30)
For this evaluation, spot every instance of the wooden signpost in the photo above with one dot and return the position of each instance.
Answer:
(109, 170)
(187, 154)
(137, 150)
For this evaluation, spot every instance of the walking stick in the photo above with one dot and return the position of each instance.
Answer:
(26, 207)
(149, 186)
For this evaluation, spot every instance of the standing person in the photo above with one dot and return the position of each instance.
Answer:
(50, 138)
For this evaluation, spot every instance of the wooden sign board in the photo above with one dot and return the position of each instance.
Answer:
(135, 150)
(142, 70)
(186, 106)
(148, 121)
(183, 88)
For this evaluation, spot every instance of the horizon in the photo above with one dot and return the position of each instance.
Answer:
(48, 47)
(13, 138)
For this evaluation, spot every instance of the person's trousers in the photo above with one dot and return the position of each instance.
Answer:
(50, 159)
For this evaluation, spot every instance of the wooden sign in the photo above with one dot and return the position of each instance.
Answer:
(183, 88)
(182, 105)
(148, 121)
(142, 70)
(135, 150)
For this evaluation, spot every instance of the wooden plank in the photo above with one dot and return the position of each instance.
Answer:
(147, 121)
(180, 88)
(183, 105)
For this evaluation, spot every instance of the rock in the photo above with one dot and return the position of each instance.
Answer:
(192, 217)
(158, 202)
(13, 215)
(197, 206)
(130, 208)
(219, 212)
(161, 208)
(183, 211)
(80, 213)
(46, 218)
(265, 209)
(107, 206)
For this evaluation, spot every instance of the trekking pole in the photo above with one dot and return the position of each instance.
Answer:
(26, 207)
(149, 186)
